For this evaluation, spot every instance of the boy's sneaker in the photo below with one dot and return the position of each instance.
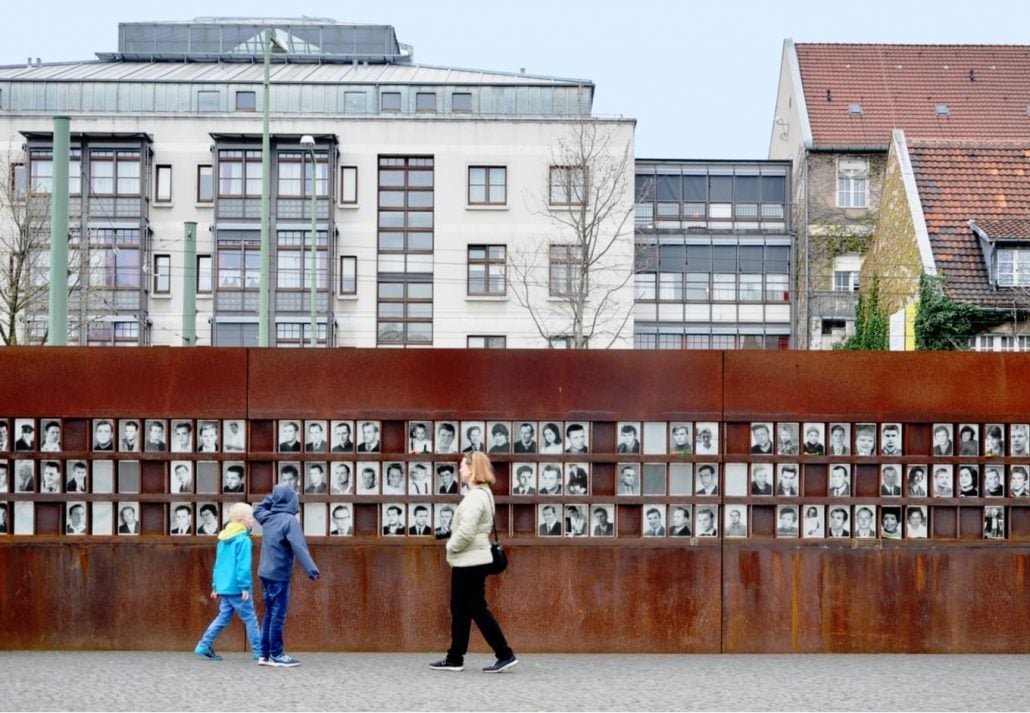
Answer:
(446, 665)
(283, 661)
(264, 661)
(501, 665)
(207, 652)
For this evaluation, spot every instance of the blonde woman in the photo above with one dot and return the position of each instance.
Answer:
(468, 554)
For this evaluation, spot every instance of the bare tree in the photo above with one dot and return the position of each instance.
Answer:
(576, 283)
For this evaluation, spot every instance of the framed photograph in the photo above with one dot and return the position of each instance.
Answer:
(5, 437)
(548, 521)
(706, 440)
(420, 519)
(837, 521)
(129, 436)
(1019, 482)
(681, 478)
(917, 522)
(815, 439)
(761, 479)
(943, 481)
(655, 438)
(368, 477)
(994, 440)
(233, 477)
(917, 481)
(577, 521)
(813, 524)
(680, 521)
(706, 518)
(207, 437)
(343, 441)
(341, 520)
(552, 440)
(629, 437)
(393, 478)
(943, 445)
(735, 522)
(157, 439)
(1018, 438)
(315, 479)
(840, 440)
(182, 436)
(342, 482)
(890, 480)
(128, 518)
(103, 435)
(786, 439)
(707, 479)
(969, 439)
(77, 477)
(787, 482)
(968, 480)
(577, 437)
(420, 482)
(654, 478)
(500, 436)
(51, 441)
(524, 482)
(207, 519)
(393, 519)
(443, 516)
(994, 522)
(761, 438)
(51, 479)
(446, 436)
(865, 521)
(787, 521)
(865, 439)
(25, 434)
(289, 473)
(550, 479)
(5, 477)
(602, 520)
(24, 476)
(420, 437)
(994, 481)
(629, 479)
(472, 436)
(525, 432)
(181, 518)
(181, 477)
(681, 438)
(446, 479)
(840, 480)
(5, 527)
(289, 437)
(234, 435)
(890, 439)
(653, 520)
(315, 442)
(75, 518)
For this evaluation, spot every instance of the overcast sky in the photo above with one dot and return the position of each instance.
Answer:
(699, 77)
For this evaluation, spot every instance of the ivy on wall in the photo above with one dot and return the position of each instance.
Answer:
(872, 326)
(946, 325)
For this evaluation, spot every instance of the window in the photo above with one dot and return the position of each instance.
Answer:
(568, 185)
(293, 260)
(488, 185)
(845, 281)
(566, 265)
(697, 287)
(724, 341)
(724, 287)
(425, 101)
(162, 274)
(487, 342)
(851, 183)
(776, 289)
(390, 101)
(1014, 267)
(405, 313)
(19, 180)
(298, 334)
(114, 173)
(208, 101)
(205, 282)
(348, 275)
(295, 174)
(163, 184)
(487, 266)
(239, 173)
(750, 288)
(670, 286)
(246, 101)
(461, 102)
(645, 286)
(114, 258)
(205, 184)
(349, 184)
(239, 265)
(112, 333)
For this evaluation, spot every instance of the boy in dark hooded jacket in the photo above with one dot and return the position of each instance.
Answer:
(281, 540)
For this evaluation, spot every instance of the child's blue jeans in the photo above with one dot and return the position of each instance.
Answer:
(277, 601)
(229, 603)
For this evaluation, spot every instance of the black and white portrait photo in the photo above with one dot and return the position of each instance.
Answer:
(1019, 440)
(393, 519)
(602, 520)
(577, 479)
(341, 520)
(443, 517)
(787, 481)
(814, 443)
(24, 476)
(917, 522)
(706, 519)
(840, 440)
(25, 434)
(75, 518)
(446, 479)
(50, 441)
(182, 436)
(735, 522)
(207, 437)
(787, 521)
(316, 480)
(865, 439)
(128, 518)
(837, 521)
(289, 437)
(577, 521)
(994, 440)
(5, 438)
(917, 485)
(994, 481)
(761, 438)
(342, 478)
(77, 477)
(499, 433)
(707, 479)
(994, 522)
(233, 477)
(890, 523)
(316, 440)
(369, 433)
(289, 474)
(129, 436)
(234, 436)
(342, 436)
(628, 479)
(550, 479)
(761, 479)
(472, 436)
(968, 481)
(207, 519)
(786, 440)
(525, 437)
(890, 480)
(812, 523)
(420, 519)
(420, 481)
(156, 438)
(629, 437)
(446, 436)
(5, 527)
(103, 435)
(943, 445)
(393, 478)
(577, 437)
(52, 479)
(1019, 482)
(680, 520)
(840, 480)
(181, 519)
(524, 480)
(654, 520)
(420, 437)
(890, 439)
(943, 481)
(367, 477)
(681, 438)
(552, 440)
(549, 520)
(865, 521)
(5, 477)
(969, 439)
(181, 477)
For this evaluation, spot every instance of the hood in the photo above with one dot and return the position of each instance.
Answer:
(232, 530)
(284, 499)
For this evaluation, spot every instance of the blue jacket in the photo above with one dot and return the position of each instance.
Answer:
(233, 561)
(282, 537)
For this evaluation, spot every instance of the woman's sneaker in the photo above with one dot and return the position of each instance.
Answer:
(283, 661)
(207, 652)
(501, 665)
(446, 665)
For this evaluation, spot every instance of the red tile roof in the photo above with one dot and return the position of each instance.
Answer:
(986, 89)
(963, 181)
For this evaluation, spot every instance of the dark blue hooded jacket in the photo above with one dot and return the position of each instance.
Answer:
(282, 537)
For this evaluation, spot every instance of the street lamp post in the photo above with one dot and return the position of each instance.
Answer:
(270, 44)
(309, 141)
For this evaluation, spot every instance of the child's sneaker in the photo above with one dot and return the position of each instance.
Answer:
(207, 652)
(264, 661)
(283, 660)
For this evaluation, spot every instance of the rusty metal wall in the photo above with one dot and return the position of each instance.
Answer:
(954, 592)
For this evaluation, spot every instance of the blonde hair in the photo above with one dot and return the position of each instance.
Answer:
(482, 470)
(238, 511)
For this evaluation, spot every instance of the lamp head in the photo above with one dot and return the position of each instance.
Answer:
(307, 141)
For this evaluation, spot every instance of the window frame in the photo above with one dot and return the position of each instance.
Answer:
(242, 93)
(384, 109)
(203, 273)
(1017, 260)
(162, 181)
(490, 188)
(200, 183)
(348, 189)
(561, 281)
(487, 261)
(852, 185)
(486, 341)
(463, 109)
(348, 260)
(563, 191)
(162, 274)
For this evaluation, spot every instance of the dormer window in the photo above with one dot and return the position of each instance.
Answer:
(1013, 267)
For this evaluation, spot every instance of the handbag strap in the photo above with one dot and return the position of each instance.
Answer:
(493, 504)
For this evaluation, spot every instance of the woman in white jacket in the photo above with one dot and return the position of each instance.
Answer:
(468, 554)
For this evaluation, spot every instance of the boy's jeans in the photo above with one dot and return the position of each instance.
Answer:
(229, 603)
(277, 601)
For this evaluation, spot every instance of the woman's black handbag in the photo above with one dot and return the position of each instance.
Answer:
(499, 561)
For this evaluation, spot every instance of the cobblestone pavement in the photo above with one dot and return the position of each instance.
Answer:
(133, 681)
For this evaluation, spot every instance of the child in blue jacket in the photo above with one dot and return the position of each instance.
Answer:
(231, 581)
(281, 540)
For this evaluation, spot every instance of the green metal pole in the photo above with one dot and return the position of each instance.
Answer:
(189, 286)
(314, 244)
(266, 197)
(58, 306)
